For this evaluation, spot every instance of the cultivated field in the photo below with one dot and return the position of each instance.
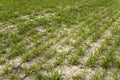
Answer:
(59, 39)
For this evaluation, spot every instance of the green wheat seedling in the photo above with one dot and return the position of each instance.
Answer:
(14, 77)
(55, 76)
(60, 59)
(99, 76)
(74, 60)
(80, 75)
(8, 69)
(108, 59)
(2, 61)
(117, 62)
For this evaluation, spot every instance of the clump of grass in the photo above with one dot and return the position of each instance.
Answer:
(2, 61)
(91, 62)
(8, 68)
(14, 77)
(16, 50)
(2, 50)
(67, 41)
(27, 57)
(39, 76)
(81, 52)
(74, 60)
(50, 54)
(108, 60)
(79, 76)
(60, 59)
(52, 76)
(99, 76)
(117, 62)
(55, 76)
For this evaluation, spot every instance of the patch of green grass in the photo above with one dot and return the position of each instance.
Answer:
(60, 59)
(2, 61)
(74, 60)
(79, 76)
